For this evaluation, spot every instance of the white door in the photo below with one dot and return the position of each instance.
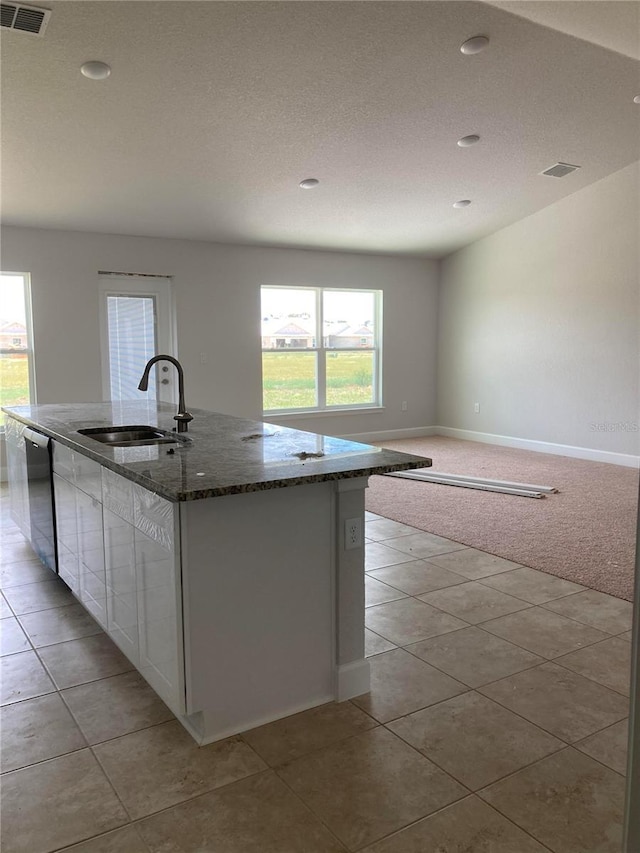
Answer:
(136, 323)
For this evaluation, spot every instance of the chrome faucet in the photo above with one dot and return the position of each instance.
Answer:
(183, 416)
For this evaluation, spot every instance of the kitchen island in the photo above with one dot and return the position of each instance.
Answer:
(227, 563)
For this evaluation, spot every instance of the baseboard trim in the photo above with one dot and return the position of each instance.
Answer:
(196, 724)
(353, 679)
(591, 454)
(391, 434)
(626, 459)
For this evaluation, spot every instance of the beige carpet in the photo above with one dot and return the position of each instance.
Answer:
(586, 533)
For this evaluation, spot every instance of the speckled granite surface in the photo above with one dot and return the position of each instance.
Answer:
(224, 455)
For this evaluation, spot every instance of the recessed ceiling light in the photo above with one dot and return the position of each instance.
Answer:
(636, 100)
(309, 183)
(474, 45)
(95, 70)
(465, 202)
(466, 141)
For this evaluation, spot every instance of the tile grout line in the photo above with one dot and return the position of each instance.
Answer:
(350, 736)
(267, 770)
(69, 847)
(524, 648)
(478, 688)
(397, 832)
(474, 791)
(484, 621)
(104, 772)
(511, 775)
(579, 621)
(589, 677)
(463, 579)
(342, 843)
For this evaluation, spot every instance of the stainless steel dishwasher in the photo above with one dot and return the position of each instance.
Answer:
(42, 520)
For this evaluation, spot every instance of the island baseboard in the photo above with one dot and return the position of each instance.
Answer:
(352, 679)
(202, 730)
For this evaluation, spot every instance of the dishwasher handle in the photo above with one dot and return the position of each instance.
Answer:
(36, 438)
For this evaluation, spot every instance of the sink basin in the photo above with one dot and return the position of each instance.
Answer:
(131, 436)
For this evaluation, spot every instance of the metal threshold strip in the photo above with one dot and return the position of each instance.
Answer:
(525, 490)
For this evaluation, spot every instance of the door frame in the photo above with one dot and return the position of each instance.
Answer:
(158, 287)
(631, 843)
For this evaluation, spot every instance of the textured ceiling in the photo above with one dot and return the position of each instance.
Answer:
(214, 112)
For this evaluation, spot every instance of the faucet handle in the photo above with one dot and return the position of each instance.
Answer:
(183, 419)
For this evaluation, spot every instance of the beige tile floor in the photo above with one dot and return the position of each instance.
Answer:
(496, 723)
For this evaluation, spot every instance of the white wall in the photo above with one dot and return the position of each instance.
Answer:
(539, 323)
(217, 291)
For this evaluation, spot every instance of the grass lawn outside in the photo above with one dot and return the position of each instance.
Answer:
(289, 379)
(14, 379)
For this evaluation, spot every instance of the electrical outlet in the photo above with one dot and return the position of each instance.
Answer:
(404, 406)
(352, 533)
(476, 408)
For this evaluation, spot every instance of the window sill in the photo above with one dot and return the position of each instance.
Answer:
(321, 413)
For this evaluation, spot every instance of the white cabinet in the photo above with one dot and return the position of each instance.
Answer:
(159, 619)
(17, 474)
(77, 486)
(118, 550)
(159, 592)
(91, 556)
(64, 491)
(144, 596)
(120, 563)
(120, 569)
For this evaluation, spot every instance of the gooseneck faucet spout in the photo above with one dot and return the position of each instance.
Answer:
(183, 416)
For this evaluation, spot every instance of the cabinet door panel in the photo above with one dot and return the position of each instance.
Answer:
(17, 475)
(66, 531)
(160, 622)
(91, 557)
(63, 461)
(154, 516)
(117, 494)
(120, 568)
(88, 475)
(68, 567)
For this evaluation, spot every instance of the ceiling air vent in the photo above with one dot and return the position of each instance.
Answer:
(560, 170)
(24, 19)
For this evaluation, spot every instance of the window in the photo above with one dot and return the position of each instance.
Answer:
(320, 348)
(17, 384)
(136, 324)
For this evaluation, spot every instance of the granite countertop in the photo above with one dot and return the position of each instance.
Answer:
(224, 455)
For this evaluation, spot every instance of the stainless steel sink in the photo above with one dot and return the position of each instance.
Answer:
(131, 436)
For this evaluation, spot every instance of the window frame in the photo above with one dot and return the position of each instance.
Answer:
(30, 349)
(320, 351)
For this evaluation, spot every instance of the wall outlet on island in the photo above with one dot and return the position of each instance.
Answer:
(476, 408)
(353, 533)
(404, 406)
